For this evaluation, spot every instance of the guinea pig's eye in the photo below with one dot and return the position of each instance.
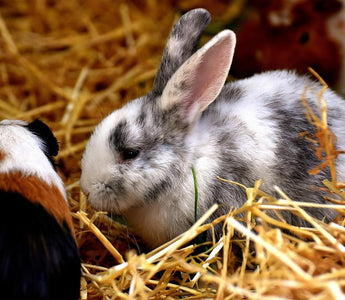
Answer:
(129, 153)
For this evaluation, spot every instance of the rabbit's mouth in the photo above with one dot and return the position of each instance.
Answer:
(102, 196)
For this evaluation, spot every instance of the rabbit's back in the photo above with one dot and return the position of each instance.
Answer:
(260, 124)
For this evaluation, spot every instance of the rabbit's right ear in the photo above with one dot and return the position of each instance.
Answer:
(182, 43)
(198, 82)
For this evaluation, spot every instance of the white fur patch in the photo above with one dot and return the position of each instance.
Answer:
(175, 46)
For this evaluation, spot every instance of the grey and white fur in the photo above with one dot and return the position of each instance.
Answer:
(138, 161)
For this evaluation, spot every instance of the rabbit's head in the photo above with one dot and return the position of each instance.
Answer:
(141, 152)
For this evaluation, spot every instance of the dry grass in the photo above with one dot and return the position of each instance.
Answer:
(70, 63)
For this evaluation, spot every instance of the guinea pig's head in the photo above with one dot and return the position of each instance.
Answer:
(29, 148)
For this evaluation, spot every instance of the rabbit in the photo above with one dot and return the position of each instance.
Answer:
(39, 257)
(138, 161)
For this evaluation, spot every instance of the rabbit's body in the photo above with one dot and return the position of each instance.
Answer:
(139, 160)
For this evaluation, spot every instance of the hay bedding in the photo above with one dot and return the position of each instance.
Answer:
(71, 62)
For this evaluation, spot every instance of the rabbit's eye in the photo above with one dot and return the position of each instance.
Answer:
(129, 153)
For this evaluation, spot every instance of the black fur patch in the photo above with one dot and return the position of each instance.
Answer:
(41, 130)
(119, 137)
(295, 158)
(141, 119)
(232, 93)
(157, 190)
(39, 259)
(232, 168)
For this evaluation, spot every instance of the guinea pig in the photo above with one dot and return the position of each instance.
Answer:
(39, 257)
(138, 161)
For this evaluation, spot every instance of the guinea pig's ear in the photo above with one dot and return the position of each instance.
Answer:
(41, 130)
(200, 79)
(182, 43)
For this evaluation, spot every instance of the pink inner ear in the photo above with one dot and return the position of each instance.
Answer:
(210, 75)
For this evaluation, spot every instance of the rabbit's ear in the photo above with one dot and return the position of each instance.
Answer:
(182, 43)
(200, 79)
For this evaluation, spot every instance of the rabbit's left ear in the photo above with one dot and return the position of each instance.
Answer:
(200, 79)
(182, 43)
